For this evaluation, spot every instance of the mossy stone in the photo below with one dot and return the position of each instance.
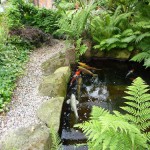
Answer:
(50, 112)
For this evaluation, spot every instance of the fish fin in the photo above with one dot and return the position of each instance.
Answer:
(77, 102)
(68, 101)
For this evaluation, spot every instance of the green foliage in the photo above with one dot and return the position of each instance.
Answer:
(73, 23)
(80, 49)
(22, 13)
(113, 31)
(138, 104)
(13, 54)
(111, 131)
(56, 142)
(145, 55)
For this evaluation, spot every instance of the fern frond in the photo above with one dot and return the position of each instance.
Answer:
(139, 57)
(96, 113)
(128, 39)
(111, 131)
(127, 32)
(138, 105)
(147, 62)
(56, 142)
(142, 36)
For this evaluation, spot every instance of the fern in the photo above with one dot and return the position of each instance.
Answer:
(143, 56)
(80, 48)
(142, 36)
(75, 24)
(138, 105)
(56, 142)
(107, 131)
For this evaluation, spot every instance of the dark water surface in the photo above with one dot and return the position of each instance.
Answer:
(106, 91)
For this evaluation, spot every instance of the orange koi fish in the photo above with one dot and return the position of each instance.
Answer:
(77, 73)
(86, 71)
(87, 66)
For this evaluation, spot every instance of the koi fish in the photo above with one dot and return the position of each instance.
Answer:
(130, 72)
(86, 71)
(77, 73)
(73, 102)
(79, 84)
(87, 66)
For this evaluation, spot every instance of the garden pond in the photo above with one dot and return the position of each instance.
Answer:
(105, 90)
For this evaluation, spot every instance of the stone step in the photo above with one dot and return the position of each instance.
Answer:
(72, 134)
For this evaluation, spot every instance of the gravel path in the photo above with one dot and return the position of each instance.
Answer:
(26, 99)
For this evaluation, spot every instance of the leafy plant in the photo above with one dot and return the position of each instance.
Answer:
(80, 49)
(73, 23)
(13, 54)
(138, 104)
(113, 31)
(56, 142)
(22, 13)
(111, 131)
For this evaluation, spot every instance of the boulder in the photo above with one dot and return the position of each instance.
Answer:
(50, 112)
(55, 85)
(114, 54)
(54, 63)
(119, 54)
(35, 137)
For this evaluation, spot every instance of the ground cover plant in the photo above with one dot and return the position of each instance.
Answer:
(13, 54)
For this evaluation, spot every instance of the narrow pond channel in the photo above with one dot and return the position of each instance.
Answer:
(105, 90)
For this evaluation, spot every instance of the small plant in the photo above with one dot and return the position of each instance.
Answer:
(80, 49)
(13, 54)
(138, 105)
(56, 142)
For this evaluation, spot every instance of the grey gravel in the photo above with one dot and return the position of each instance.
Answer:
(26, 100)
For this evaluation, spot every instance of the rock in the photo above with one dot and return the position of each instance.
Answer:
(88, 53)
(32, 138)
(114, 54)
(50, 112)
(53, 63)
(119, 54)
(70, 55)
(56, 84)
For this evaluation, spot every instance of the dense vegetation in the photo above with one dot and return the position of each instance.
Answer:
(20, 28)
(109, 25)
(13, 54)
(117, 131)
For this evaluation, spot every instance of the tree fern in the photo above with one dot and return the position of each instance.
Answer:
(107, 131)
(138, 104)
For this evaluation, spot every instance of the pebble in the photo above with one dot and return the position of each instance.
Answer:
(26, 100)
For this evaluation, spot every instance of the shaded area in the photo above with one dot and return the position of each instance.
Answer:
(106, 91)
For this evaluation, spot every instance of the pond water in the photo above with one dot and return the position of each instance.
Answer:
(105, 90)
